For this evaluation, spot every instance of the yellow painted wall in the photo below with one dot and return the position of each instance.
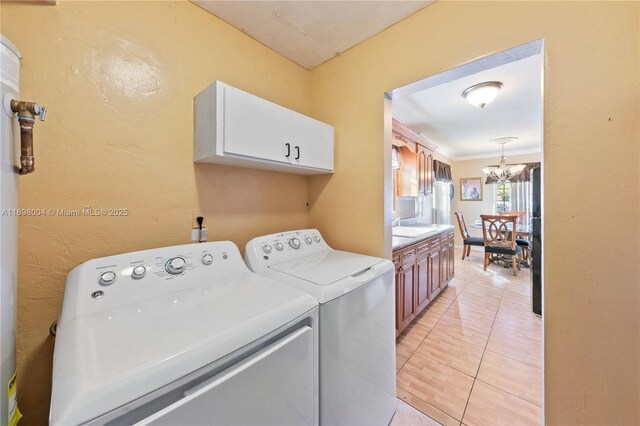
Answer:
(118, 79)
(592, 301)
(473, 209)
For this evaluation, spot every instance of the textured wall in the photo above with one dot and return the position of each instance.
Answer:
(592, 300)
(118, 79)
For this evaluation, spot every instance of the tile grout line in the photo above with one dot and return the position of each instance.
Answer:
(509, 393)
(423, 339)
(475, 378)
(414, 351)
(484, 350)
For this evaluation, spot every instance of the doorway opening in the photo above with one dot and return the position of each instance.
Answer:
(464, 214)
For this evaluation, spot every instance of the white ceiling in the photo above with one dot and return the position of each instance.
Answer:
(463, 131)
(311, 32)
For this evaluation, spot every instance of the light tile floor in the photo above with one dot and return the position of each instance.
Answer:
(474, 356)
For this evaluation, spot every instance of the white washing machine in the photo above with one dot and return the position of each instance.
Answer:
(357, 321)
(183, 335)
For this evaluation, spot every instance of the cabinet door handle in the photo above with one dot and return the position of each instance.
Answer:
(288, 145)
(297, 153)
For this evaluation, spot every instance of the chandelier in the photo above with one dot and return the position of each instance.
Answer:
(503, 173)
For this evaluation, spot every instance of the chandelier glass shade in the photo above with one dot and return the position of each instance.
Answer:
(503, 172)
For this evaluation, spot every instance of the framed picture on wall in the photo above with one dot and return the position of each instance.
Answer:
(471, 189)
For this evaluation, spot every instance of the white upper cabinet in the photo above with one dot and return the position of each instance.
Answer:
(239, 129)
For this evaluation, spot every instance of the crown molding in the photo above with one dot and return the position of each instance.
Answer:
(496, 154)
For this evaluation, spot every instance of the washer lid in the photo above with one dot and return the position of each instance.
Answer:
(326, 267)
(105, 360)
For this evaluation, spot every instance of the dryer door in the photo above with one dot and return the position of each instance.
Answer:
(273, 387)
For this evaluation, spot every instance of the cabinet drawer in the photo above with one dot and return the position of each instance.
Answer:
(422, 248)
(408, 256)
(433, 242)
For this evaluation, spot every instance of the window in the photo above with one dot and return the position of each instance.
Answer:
(502, 196)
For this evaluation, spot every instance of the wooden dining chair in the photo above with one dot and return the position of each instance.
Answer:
(517, 213)
(466, 238)
(498, 233)
(522, 242)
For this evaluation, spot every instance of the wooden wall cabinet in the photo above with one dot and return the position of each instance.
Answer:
(415, 176)
(425, 170)
(407, 185)
(423, 270)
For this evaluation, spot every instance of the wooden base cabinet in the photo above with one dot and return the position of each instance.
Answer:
(435, 268)
(447, 255)
(422, 288)
(423, 270)
(406, 309)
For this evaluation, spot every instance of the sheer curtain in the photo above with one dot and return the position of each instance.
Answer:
(521, 198)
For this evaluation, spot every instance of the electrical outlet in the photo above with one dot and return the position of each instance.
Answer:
(196, 235)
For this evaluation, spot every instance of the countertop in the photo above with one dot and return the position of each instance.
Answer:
(402, 242)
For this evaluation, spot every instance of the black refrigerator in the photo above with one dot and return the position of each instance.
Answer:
(536, 240)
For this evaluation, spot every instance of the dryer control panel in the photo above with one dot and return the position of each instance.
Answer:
(99, 285)
(275, 248)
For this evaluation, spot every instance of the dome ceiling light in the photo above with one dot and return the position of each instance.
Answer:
(482, 94)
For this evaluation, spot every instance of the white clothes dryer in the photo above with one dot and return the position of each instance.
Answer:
(357, 321)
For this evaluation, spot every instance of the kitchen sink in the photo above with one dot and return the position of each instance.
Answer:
(411, 231)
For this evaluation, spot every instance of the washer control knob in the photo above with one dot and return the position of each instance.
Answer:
(176, 265)
(266, 249)
(316, 238)
(138, 272)
(207, 259)
(107, 278)
(294, 243)
(308, 240)
(279, 246)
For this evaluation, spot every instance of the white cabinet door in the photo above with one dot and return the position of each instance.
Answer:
(240, 129)
(314, 149)
(274, 387)
(256, 128)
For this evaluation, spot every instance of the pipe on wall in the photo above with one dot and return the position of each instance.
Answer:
(27, 111)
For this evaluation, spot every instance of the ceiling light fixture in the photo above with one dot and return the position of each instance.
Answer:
(482, 94)
(502, 173)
